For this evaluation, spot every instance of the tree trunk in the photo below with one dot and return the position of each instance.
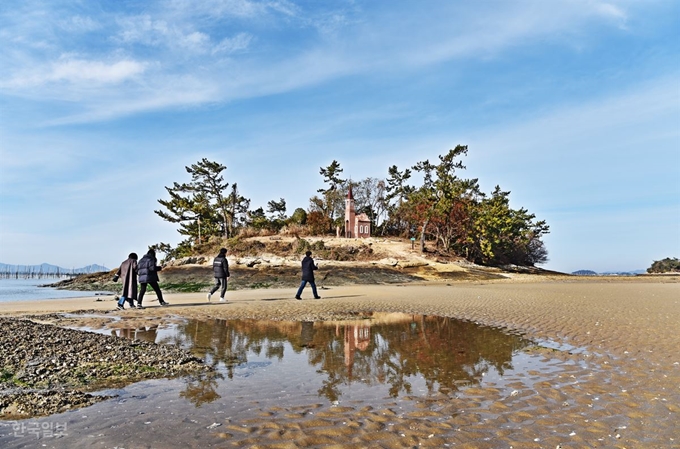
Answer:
(422, 235)
(226, 225)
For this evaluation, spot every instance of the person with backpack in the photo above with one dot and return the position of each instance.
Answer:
(147, 270)
(221, 272)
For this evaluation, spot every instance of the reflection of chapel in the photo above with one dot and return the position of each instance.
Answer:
(356, 338)
(356, 226)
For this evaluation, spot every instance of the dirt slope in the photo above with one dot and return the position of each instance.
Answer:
(265, 262)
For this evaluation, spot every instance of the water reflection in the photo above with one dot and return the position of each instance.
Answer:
(203, 389)
(380, 349)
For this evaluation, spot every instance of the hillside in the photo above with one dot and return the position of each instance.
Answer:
(274, 262)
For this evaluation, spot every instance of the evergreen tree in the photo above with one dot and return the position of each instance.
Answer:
(667, 265)
(333, 196)
(201, 206)
(504, 235)
(461, 219)
(437, 181)
(277, 209)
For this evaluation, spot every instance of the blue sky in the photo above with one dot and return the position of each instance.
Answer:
(573, 106)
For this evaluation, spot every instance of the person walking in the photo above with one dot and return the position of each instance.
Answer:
(221, 273)
(148, 269)
(128, 273)
(308, 267)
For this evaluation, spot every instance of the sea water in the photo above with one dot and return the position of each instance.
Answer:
(30, 289)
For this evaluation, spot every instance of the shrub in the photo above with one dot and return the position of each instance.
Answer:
(294, 230)
(303, 246)
(318, 223)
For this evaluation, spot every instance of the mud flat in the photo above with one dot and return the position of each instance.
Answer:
(616, 342)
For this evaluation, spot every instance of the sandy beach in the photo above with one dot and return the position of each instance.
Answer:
(616, 385)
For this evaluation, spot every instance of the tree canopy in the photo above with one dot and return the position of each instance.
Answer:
(203, 207)
(443, 208)
(667, 265)
(461, 219)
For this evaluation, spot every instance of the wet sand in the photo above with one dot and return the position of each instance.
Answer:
(618, 383)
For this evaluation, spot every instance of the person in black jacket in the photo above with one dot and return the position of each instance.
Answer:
(308, 267)
(221, 273)
(147, 270)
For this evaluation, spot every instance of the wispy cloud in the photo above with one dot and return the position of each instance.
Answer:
(612, 12)
(78, 70)
(189, 40)
(74, 71)
(226, 8)
(229, 45)
(147, 31)
(595, 148)
(79, 24)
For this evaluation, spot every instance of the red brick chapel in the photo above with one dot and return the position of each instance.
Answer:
(356, 226)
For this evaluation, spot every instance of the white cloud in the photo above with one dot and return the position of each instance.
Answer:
(142, 29)
(180, 40)
(423, 37)
(612, 12)
(284, 7)
(647, 109)
(590, 157)
(194, 41)
(170, 92)
(80, 24)
(245, 9)
(76, 70)
(234, 44)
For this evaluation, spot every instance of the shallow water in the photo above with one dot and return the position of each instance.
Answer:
(31, 289)
(283, 373)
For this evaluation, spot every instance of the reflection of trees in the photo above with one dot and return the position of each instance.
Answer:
(229, 342)
(307, 334)
(446, 352)
(203, 389)
(450, 352)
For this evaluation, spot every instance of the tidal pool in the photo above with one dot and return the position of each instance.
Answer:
(393, 354)
(273, 376)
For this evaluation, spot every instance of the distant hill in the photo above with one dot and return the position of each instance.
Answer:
(624, 273)
(608, 273)
(49, 269)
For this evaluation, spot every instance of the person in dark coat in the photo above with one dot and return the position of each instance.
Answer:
(128, 273)
(221, 273)
(148, 269)
(308, 267)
